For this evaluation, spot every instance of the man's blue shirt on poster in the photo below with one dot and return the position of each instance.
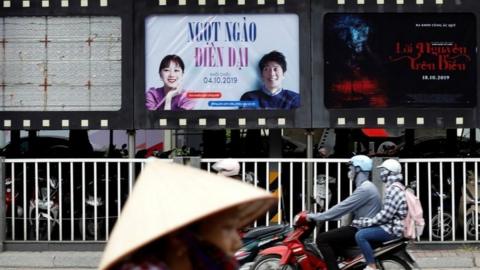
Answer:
(283, 99)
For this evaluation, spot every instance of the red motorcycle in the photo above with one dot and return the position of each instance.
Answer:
(296, 252)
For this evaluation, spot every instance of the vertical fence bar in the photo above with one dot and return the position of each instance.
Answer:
(255, 172)
(267, 185)
(107, 198)
(119, 189)
(60, 200)
(130, 177)
(339, 186)
(475, 201)
(464, 203)
(315, 187)
(452, 173)
(417, 179)
(12, 201)
(429, 179)
(72, 204)
(95, 201)
(281, 202)
(25, 195)
(303, 187)
(314, 194)
(327, 190)
(83, 202)
(441, 220)
(291, 193)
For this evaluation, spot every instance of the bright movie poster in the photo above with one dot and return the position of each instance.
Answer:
(211, 62)
(400, 60)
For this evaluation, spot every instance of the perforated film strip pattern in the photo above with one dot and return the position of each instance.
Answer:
(61, 3)
(105, 3)
(400, 121)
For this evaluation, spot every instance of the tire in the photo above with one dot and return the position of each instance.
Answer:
(392, 263)
(470, 225)
(90, 228)
(270, 262)
(447, 226)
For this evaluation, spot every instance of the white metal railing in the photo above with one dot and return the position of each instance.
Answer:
(76, 200)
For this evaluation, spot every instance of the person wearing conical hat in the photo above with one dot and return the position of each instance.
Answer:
(181, 218)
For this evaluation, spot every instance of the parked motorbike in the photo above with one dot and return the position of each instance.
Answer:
(43, 209)
(96, 205)
(13, 210)
(442, 221)
(296, 253)
(468, 199)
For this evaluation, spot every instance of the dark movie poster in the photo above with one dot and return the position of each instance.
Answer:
(385, 60)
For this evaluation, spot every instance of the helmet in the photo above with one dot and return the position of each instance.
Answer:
(227, 167)
(363, 162)
(391, 165)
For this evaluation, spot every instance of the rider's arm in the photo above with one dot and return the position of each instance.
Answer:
(350, 204)
(393, 198)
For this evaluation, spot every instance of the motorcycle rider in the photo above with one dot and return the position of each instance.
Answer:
(388, 223)
(365, 201)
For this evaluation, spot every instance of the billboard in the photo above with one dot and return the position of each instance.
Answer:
(222, 62)
(400, 60)
(66, 66)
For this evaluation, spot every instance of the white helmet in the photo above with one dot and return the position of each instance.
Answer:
(227, 167)
(392, 165)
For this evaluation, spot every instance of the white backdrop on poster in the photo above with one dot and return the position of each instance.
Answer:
(221, 53)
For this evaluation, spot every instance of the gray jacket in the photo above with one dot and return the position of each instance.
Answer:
(365, 201)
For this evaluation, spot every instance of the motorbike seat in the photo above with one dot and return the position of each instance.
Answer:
(265, 231)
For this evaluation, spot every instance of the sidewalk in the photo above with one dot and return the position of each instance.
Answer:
(428, 258)
(446, 257)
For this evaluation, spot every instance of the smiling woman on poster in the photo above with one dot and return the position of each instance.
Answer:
(171, 96)
(272, 95)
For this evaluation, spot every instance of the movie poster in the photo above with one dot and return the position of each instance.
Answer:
(211, 62)
(384, 60)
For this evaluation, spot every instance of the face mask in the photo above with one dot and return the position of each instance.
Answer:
(384, 175)
(351, 173)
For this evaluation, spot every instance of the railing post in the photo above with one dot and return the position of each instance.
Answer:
(2, 204)
(377, 161)
(309, 187)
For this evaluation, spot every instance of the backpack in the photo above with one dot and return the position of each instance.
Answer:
(413, 222)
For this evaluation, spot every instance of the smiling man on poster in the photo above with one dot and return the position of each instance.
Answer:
(273, 67)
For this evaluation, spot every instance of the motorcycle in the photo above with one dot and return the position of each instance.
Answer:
(257, 239)
(95, 217)
(442, 220)
(264, 237)
(468, 199)
(14, 211)
(296, 253)
(44, 209)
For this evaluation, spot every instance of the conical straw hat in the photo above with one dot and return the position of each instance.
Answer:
(168, 196)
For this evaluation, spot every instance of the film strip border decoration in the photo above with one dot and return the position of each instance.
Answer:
(396, 116)
(336, 119)
(88, 58)
(454, 121)
(106, 3)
